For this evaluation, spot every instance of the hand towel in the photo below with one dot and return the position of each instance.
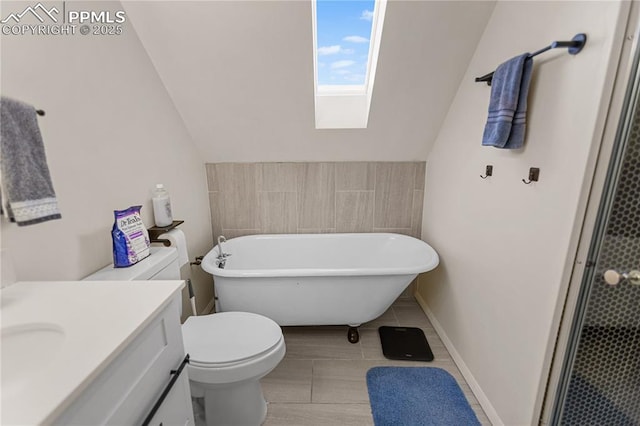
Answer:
(26, 183)
(505, 127)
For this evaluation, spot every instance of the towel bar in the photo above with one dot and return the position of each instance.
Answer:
(574, 47)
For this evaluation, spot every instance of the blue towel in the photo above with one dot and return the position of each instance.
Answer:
(506, 123)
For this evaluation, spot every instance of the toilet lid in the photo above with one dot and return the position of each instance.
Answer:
(228, 337)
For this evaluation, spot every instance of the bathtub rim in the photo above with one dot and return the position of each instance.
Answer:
(208, 262)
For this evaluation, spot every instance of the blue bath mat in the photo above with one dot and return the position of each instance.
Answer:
(417, 396)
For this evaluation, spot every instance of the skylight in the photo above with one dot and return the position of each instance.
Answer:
(343, 40)
(347, 37)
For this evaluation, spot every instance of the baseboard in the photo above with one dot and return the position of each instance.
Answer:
(484, 402)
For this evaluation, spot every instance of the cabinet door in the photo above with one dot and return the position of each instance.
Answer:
(124, 392)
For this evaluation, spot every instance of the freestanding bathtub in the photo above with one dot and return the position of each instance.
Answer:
(316, 279)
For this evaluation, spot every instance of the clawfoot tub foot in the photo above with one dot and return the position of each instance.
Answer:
(353, 335)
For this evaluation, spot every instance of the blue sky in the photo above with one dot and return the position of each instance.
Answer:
(344, 29)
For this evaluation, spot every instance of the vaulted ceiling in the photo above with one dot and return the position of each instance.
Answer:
(240, 74)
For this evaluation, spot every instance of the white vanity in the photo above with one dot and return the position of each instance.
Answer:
(93, 353)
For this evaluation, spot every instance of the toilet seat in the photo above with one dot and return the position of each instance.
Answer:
(229, 338)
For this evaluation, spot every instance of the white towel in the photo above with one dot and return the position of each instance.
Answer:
(27, 191)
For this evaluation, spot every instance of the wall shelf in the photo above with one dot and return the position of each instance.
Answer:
(156, 231)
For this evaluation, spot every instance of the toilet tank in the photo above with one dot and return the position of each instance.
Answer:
(161, 264)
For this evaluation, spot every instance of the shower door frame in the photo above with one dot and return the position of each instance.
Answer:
(618, 123)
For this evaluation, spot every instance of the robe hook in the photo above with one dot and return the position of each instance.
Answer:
(534, 174)
(488, 171)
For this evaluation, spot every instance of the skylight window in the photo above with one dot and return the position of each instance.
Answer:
(343, 41)
(347, 37)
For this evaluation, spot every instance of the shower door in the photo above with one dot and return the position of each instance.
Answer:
(600, 383)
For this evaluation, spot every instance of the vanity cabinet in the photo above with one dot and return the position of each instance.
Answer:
(133, 389)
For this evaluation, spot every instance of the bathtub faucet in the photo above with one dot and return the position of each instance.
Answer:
(222, 256)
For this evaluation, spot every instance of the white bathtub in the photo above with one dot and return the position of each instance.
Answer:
(317, 279)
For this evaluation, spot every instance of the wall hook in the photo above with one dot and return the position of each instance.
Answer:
(534, 174)
(488, 171)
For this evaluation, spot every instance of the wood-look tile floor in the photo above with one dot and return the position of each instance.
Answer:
(322, 379)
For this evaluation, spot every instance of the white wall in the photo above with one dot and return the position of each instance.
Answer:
(241, 75)
(110, 132)
(503, 244)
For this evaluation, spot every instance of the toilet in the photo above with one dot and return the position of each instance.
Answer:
(229, 352)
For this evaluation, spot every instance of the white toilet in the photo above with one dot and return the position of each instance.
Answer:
(229, 352)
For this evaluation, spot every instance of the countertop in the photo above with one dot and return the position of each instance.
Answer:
(69, 332)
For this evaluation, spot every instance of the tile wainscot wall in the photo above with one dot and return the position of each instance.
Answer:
(291, 198)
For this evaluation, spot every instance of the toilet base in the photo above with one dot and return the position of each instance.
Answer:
(239, 404)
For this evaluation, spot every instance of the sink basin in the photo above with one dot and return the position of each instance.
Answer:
(27, 349)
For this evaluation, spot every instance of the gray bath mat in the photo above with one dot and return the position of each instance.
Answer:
(405, 343)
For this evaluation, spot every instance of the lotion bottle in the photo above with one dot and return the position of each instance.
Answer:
(161, 206)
